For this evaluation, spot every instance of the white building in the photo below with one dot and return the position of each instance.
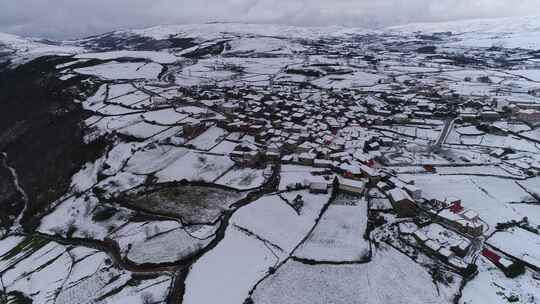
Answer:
(352, 186)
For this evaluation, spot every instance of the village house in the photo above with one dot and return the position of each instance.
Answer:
(462, 248)
(318, 188)
(228, 107)
(246, 158)
(373, 175)
(307, 158)
(529, 115)
(272, 156)
(420, 237)
(403, 204)
(351, 186)
(158, 101)
(384, 186)
(340, 156)
(401, 117)
(191, 131)
(469, 116)
(445, 253)
(488, 114)
(350, 171)
(323, 163)
(432, 246)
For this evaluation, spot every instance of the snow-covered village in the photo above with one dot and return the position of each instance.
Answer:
(239, 164)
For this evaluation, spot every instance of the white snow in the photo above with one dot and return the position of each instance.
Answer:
(274, 220)
(244, 178)
(159, 57)
(391, 278)
(228, 272)
(339, 236)
(492, 286)
(195, 167)
(519, 243)
(116, 70)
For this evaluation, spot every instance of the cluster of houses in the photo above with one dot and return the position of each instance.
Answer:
(528, 115)
(320, 127)
(464, 220)
(330, 130)
(449, 246)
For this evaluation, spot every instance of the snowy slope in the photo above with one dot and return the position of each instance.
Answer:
(31, 47)
(514, 32)
(519, 32)
(491, 25)
(219, 30)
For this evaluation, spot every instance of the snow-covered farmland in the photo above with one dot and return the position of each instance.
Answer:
(229, 271)
(339, 235)
(116, 70)
(518, 243)
(389, 278)
(244, 178)
(159, 242)
(196, 167)
(48, 272)
(277, 222)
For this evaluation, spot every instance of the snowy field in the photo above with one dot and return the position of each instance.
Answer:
(229, 271)
(492, 286)
(390, 278)
(339, 236)
(53, 273)
(519, 243)
(244, 178)
(115, 70)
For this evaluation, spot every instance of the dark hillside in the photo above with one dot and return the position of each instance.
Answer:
(41, 132)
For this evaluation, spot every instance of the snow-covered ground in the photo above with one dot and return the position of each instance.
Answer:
(512, 242)
(521, 32)
(491, 285)
(53, 273)
(117, 70)
(390, 278)
(228, 272)
(339, 235)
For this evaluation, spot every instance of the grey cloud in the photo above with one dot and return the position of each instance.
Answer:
(76, 18)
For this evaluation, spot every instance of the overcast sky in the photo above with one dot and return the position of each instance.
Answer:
(78, 18)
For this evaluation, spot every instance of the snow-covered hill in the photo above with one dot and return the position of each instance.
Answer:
(513, 32)
(491, 25)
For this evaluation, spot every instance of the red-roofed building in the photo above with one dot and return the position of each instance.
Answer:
(490, 255)
(456, 207)
(510, 268)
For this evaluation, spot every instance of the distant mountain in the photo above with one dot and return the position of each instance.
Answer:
(514, 32)
(489, 25)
